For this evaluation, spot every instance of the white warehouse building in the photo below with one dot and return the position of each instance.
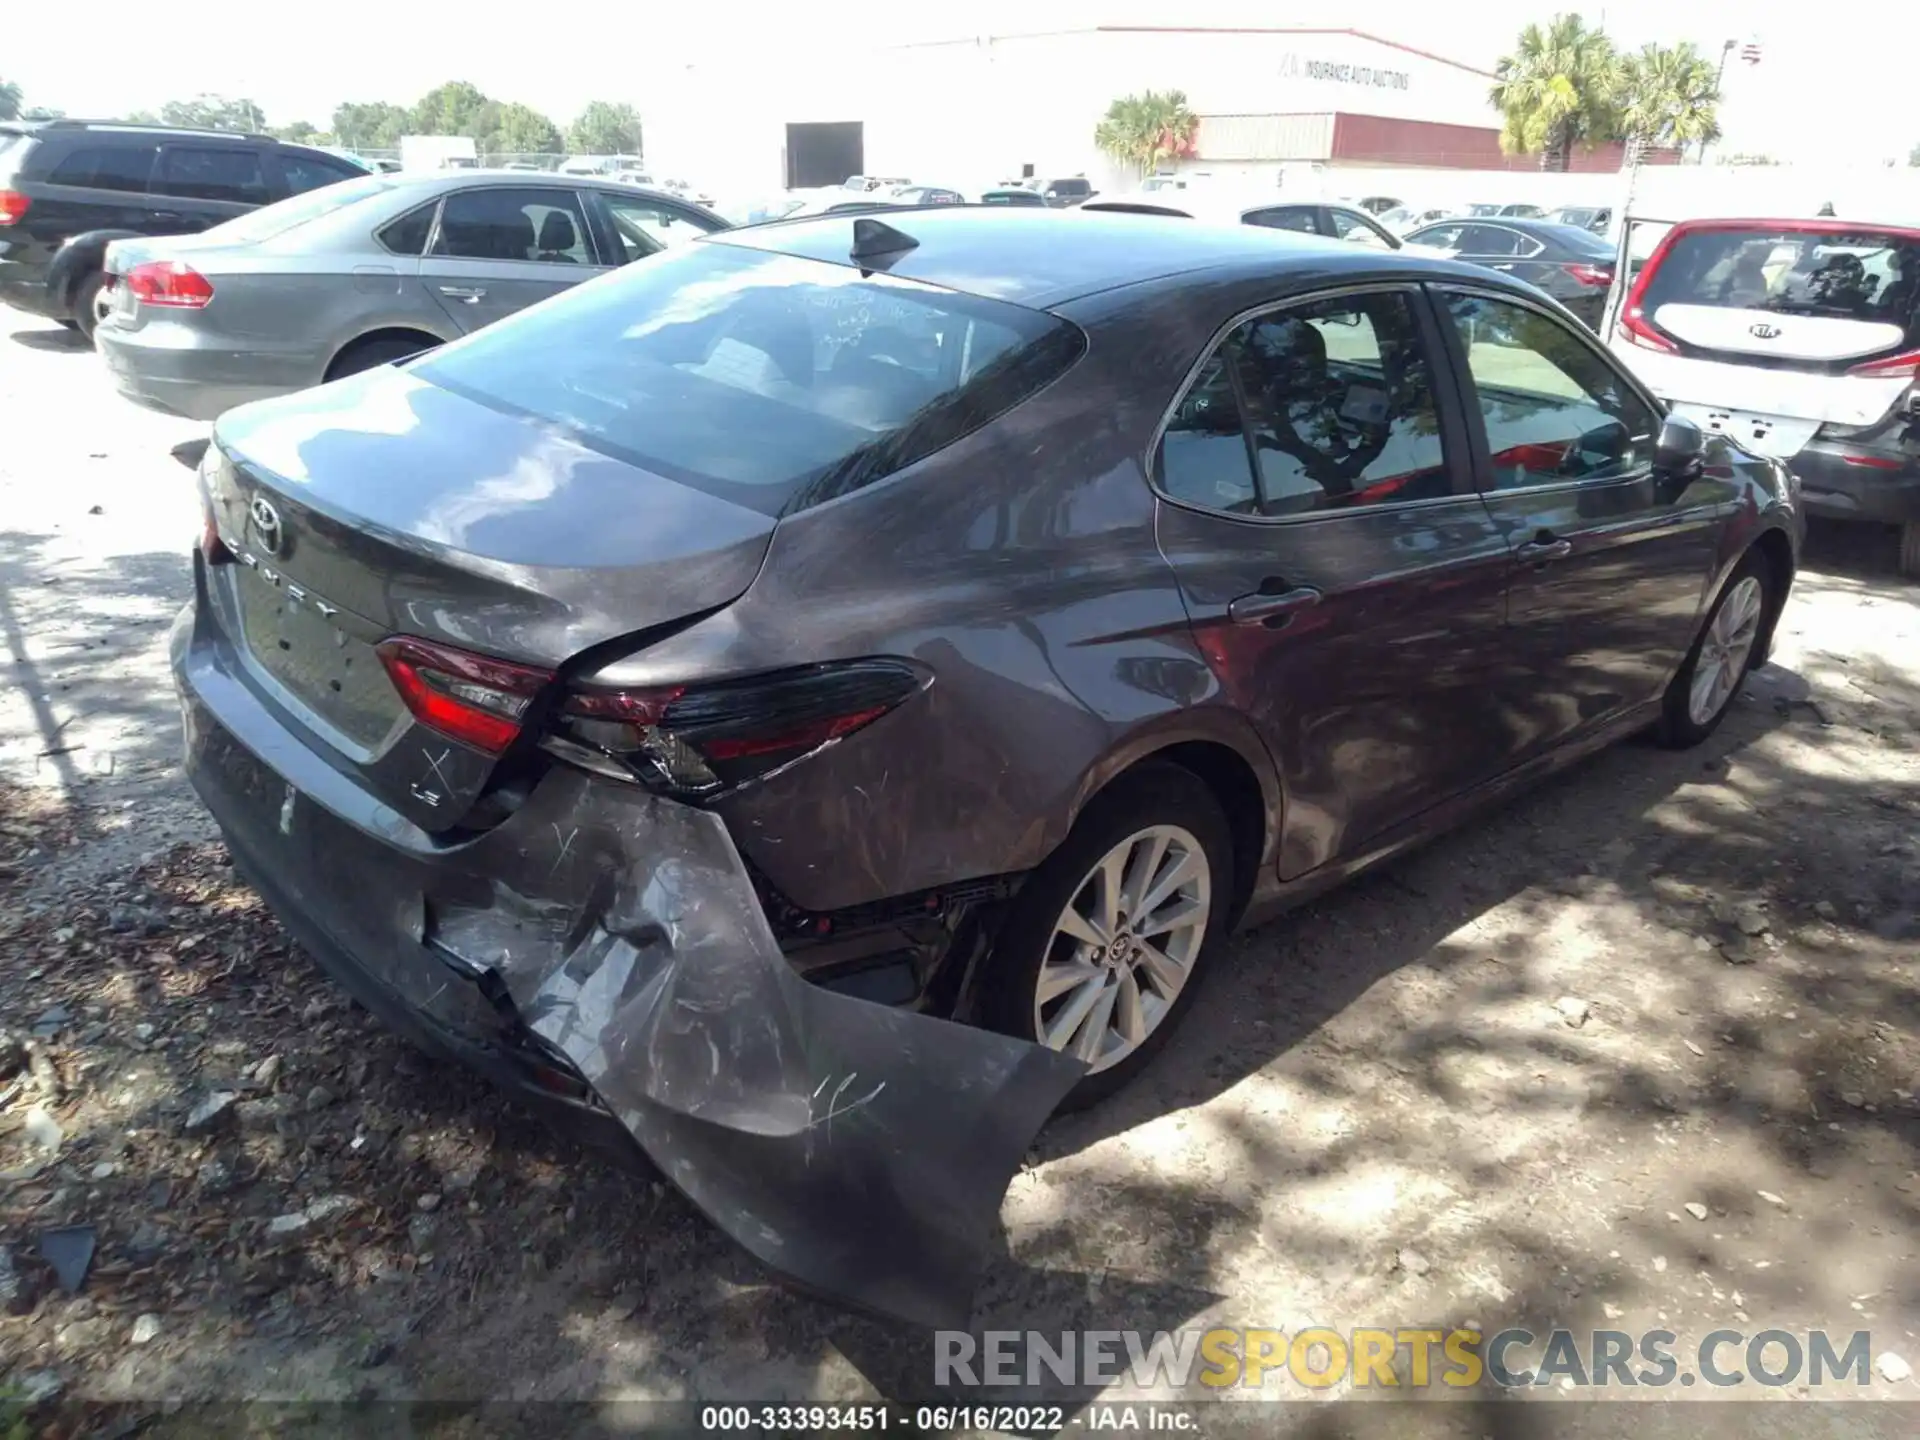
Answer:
(979, 110)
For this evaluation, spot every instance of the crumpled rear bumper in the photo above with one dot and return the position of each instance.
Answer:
(860, 1150)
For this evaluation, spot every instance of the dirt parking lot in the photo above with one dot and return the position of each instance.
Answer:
(1639, 1051)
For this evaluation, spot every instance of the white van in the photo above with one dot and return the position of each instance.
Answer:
(1799, 339)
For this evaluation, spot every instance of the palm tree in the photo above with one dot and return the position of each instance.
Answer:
(1557, 90)
(1142, 130)
(1669, 95)
(9, 100)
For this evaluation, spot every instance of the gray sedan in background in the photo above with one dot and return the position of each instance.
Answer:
(360, 274)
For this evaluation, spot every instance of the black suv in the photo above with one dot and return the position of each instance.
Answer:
(67, 187)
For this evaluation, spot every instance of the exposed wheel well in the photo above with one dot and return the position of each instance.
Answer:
(1772, 547)
(1237, 789)
(375, 337)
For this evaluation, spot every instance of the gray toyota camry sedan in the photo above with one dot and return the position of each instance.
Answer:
(810, 704)
(359, 274)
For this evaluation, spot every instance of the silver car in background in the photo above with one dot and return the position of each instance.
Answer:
(360, 274)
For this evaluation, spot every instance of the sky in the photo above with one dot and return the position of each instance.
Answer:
(1839, 90)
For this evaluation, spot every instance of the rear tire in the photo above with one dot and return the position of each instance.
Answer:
(1910, 549)
(1702, 691)
(86, 304)
(1158, 823)
(365, 355)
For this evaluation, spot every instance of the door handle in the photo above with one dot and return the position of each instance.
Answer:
(165, 214)
(1544, 548)
(1263, 606)
(469, 294)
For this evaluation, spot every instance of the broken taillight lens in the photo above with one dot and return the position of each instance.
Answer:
(700, 738)
(474, 699)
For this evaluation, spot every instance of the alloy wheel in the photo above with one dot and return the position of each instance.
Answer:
(1124, 947)
(1724, 651)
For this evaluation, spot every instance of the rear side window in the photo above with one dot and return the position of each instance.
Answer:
(1866, 276)
(768, 380)
(206, 173)
(408, 235)
(105, 167)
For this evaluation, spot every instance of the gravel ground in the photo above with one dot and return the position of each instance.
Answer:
(1495, 1084)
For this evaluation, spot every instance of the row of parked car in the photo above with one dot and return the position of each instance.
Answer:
(1800, 339)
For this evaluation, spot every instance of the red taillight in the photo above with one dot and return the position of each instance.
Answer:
(169, 283)
(1875, 462)
(1593, 275)
(12, 206)
(1640, 333)
(1894, 367)
(474, 699)
(697, 738)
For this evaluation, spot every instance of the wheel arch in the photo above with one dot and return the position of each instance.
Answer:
(1773, 546)
(376, 335)
(1223, 753)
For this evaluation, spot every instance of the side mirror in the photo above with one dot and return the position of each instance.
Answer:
(1681, 450)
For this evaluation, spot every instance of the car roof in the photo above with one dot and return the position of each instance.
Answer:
(427, 181)
(1017, 254)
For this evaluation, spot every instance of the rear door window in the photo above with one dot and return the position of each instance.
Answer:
(1332, 407)
(197, 172)
(1863, 285)
(105, 167)
(769, 380)
(1303, 218)
(510, 223)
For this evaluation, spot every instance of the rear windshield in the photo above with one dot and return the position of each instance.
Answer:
(1866, 275)
(768, 380)
(13, 148)
(270, 221)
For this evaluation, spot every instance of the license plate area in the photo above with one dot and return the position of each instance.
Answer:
(335, 676)
(1778, 436)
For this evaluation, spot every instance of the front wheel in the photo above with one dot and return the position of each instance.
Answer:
(1700, 694)
(1103, 950)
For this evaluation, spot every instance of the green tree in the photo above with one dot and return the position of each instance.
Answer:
(302, 132)
(9, 100)
(604, 128)
(1668, 95)
(1142, 130)
(454, 108)
(373, 126)
(510, 129)
(1558, 89)
(215, 112)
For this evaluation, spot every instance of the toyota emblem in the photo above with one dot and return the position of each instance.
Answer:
(266, 524)
(1764, 331)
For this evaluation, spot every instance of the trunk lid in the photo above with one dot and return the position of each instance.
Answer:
(382, 505)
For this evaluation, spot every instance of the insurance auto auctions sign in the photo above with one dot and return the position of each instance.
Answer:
(1295, 66)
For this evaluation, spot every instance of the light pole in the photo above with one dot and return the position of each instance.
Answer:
(1719, 81)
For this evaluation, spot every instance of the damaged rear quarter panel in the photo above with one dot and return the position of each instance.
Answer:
(860, 1150)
